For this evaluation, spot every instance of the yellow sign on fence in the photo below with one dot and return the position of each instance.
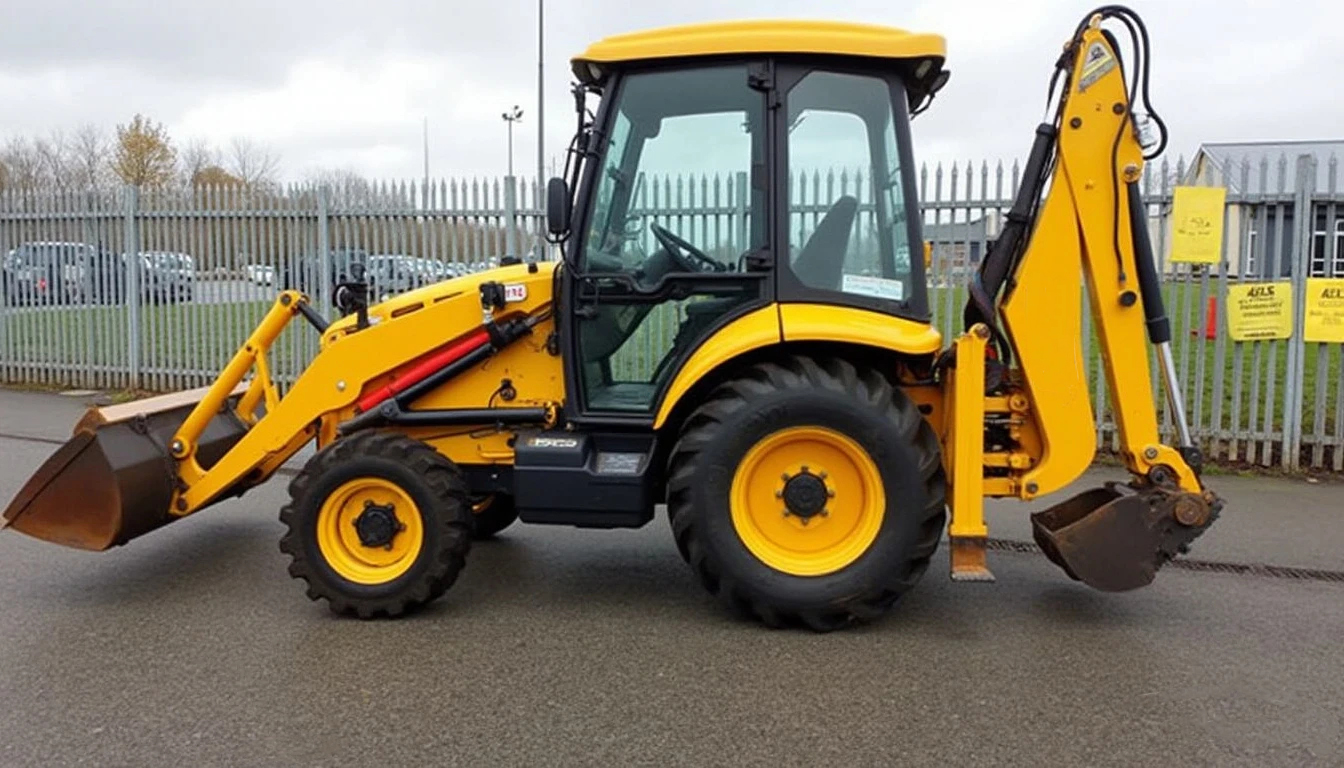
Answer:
(1324, 321)
(1197, 225)
(1259, 311)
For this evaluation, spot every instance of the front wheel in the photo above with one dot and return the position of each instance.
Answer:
(807, 492)
(377, 525)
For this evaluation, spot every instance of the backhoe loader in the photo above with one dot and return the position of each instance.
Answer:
(784, 393)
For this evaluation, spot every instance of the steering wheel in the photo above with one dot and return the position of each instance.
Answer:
(687, 256)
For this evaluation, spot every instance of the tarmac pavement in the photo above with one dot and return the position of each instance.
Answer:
(191, 646)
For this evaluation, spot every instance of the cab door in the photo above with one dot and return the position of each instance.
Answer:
(851, 223)
(675, 236)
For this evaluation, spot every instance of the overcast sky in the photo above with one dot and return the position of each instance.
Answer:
(346, 83)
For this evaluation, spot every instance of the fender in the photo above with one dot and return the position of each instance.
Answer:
(794, 323)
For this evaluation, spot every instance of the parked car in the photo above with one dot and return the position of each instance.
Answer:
(261, 274)
(304, 273)
(45, 272)
(74, 273)
(169, 276)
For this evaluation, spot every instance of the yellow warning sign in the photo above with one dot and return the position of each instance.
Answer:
(1324, 321)
(1258, 311)
(1197, 228)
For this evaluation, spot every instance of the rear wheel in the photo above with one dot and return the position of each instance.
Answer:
(492, 513)
(378, 524)
(807, 492)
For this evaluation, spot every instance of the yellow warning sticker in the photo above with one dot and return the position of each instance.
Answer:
(1259, 311)
(1324, 321)
(1197, 228)
(1099, 61)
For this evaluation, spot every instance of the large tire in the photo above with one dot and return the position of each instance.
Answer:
(491, 514)
(851, 414)
(427, 496)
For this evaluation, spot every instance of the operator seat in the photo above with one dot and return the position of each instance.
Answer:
(821, 263)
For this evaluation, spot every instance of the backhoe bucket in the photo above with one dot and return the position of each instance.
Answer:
(114, 479)
(1116, 540)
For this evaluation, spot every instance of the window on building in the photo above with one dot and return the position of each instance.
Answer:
(1339, 249)
(1252, 259)
(1319, 246)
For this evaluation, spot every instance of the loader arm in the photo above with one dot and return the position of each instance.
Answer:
(1078, 220)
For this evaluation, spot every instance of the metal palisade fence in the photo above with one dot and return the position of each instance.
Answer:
(154, 289)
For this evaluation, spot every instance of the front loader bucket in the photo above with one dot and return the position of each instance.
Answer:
(114, 479)
(1116, 540)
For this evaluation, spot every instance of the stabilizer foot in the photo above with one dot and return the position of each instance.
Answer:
(968, 559)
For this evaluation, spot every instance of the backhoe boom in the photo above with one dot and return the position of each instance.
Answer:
(1090, 229)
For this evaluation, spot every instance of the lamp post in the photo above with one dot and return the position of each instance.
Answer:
(541, 126)
(512, 116)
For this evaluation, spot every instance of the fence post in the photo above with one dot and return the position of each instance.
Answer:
(740, 211)
(1304, 219)
(323, 247)
(131, 254)
(510, 217)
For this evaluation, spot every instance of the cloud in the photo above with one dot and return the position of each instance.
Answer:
(348, 83)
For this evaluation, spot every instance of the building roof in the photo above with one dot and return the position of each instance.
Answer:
(1260, 163)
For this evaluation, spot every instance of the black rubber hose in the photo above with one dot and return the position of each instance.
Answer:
(1159, 328)
(997, 264)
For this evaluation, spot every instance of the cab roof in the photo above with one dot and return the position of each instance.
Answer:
(782, 36)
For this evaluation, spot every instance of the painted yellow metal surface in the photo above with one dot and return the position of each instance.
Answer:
(338, 541)
(751, 331)
(828, 540)
(1075, 240)
(964, 436)
(825, 322)
(767, 36)
(351, 362)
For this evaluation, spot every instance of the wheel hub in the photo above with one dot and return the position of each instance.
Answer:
(377, 525)
(805, 494)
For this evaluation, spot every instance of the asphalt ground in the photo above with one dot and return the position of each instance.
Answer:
(191, 646)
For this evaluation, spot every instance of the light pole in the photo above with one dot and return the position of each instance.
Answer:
(512, 116)
(541, 127)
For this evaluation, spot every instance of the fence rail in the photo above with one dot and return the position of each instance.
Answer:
(153, 289)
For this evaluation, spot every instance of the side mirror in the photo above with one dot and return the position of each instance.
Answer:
(557, 207)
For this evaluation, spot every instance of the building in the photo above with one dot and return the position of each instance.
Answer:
(1263, 193)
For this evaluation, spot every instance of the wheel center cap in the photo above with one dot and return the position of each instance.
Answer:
(377, 525)
(805, 495)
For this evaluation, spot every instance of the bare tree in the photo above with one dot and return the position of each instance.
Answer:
(90, 156)
(343, 184)
(53, 154)
(255, 164)
(197, 156)
(23, 164)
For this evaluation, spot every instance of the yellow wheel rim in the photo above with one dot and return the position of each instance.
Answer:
(837, 494)
(339, 540)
